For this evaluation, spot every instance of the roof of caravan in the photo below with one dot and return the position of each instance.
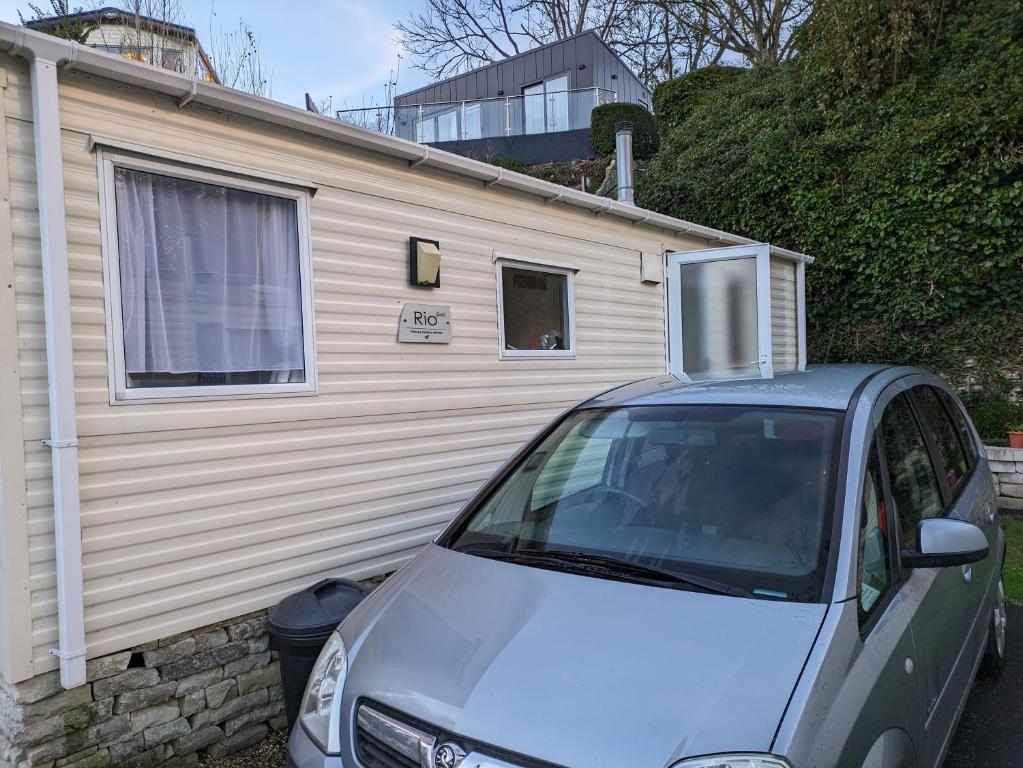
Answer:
(823, 386)
(20, 41)
(110, 15)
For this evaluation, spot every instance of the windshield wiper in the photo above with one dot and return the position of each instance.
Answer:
(613, 566)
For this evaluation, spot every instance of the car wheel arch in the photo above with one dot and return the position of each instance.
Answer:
(892, 749)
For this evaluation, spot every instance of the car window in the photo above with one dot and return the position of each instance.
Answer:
(962, 427)
(913, 485)
(875, 576)
(738, 494)
(951, 459)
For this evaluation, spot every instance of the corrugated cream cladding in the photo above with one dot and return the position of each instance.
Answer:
(199, 511)
(784, 329)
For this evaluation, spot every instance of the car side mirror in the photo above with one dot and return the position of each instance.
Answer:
(943, 542)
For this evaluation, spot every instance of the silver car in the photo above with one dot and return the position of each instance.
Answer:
(789, 573)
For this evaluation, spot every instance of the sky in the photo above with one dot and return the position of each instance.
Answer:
(343, 49)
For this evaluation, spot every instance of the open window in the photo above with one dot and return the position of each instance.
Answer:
(535, 310)
(734, 313)
(207, 280)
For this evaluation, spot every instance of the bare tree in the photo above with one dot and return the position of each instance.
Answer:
(758, 30)
(452, 36)
(377, 116)
(663, 38)
(659, 38)
(236, 58)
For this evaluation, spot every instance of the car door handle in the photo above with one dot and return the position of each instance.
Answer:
(967, 573)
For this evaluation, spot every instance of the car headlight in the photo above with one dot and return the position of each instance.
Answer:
(734, 761)
(321, 707)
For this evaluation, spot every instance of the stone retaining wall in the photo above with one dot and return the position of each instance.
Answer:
(215, 690)
(1007, 467)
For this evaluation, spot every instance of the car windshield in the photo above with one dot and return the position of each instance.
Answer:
(738, 496)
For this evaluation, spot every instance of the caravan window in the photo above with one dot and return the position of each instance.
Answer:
(207, 284)
(535, 311)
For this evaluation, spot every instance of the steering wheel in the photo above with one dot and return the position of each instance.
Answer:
(588, 497)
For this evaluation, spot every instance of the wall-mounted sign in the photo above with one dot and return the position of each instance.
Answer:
(425, 324)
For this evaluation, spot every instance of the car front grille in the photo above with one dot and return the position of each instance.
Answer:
(374, 753)
(382, 741)
(387, 739)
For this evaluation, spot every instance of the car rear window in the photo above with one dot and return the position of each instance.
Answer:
(739, 494)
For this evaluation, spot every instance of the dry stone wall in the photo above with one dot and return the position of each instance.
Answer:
(215, 690)
(1007, 467)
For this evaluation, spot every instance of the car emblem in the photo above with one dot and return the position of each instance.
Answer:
(448, 755)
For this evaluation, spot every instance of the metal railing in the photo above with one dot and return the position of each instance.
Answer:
(549, 112)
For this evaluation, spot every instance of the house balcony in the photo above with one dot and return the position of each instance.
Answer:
(533, 127)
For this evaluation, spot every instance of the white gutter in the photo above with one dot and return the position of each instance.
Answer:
(44, 56)
(187, 91)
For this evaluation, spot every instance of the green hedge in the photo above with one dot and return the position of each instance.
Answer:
(602, 129)
(674, 99)
(911, 198)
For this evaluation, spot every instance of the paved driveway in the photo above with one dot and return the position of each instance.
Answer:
(990, 734)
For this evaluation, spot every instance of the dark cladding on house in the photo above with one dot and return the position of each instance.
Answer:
(534, 107)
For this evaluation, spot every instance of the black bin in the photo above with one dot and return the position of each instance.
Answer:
(299, 627)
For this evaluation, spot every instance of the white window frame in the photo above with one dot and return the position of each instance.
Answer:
(518, 354)
(673, 307)
(120, 392)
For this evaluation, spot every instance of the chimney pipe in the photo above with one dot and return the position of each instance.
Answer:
(623, 153)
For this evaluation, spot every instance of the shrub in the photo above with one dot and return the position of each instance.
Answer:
(675, 98)
(508, 163)
(570, 173)
(993, 416)
(602, 129)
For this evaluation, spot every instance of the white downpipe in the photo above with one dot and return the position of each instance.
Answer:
(63, 440)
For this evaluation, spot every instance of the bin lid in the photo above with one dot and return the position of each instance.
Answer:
(316, 610)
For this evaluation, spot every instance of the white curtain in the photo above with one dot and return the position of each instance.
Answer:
(209, 277)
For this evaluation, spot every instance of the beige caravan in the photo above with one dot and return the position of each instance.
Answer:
(185, 441)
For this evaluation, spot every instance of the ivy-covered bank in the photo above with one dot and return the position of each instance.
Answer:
(891, 150)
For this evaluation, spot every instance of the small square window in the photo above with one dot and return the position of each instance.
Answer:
(207, 284)
(535, 306)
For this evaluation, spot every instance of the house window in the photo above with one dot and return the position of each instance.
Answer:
(473, 121)
(208, 284)
(440, 126)
(545, 106)
(535, 309)
(173, 59)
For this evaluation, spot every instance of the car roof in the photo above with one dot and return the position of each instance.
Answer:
(821, 386)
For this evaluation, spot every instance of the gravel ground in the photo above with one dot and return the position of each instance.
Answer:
(269, 753)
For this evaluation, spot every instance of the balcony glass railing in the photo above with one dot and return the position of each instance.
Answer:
(549, 112)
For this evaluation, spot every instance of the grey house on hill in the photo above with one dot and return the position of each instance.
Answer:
(534, 107)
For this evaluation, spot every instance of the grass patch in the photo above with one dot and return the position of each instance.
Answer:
(1013, 572)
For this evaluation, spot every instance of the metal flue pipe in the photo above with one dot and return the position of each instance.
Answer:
(623, 154)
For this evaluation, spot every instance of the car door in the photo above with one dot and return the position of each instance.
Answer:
(879, 696)
(968, 496)
(939, 594)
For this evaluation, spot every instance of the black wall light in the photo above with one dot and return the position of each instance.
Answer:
(423, 263)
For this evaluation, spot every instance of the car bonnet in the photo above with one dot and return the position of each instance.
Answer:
(573, 670)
